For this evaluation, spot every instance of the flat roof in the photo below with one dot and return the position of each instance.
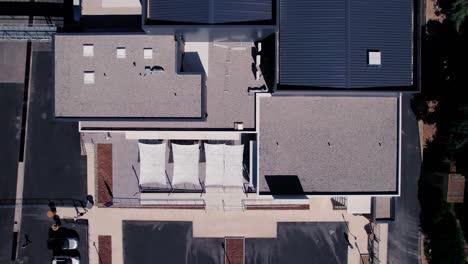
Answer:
(228, 78)
(122, 88)
(325, 43)
(300, 242)
(167, 242)
(328, 144)
(210, 11)
(173, 242)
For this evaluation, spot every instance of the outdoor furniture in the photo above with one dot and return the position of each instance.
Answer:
(214, 154)
(186, 160)
(233, 166)
(224, 165)
(152, 164)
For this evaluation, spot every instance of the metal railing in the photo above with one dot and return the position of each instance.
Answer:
(339, 203)
(65, 202)
(26, 32)
(36, 1)
(273, 203)
(194, 202)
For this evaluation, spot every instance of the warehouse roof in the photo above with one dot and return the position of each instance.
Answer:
(329, 43)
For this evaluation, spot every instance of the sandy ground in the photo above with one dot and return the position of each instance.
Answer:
(431, 8)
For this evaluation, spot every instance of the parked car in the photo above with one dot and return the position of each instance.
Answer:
(63, 243)
(65, 260)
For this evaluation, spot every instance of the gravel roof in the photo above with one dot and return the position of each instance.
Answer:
(227, 99)
(121, 88)
(332, 144)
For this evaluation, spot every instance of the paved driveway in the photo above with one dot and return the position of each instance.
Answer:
(403, 240)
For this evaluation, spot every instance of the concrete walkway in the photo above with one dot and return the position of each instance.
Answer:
(260, 224)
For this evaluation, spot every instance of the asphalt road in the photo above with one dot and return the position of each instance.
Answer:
(12, 62)
(168, 242)
(36, 225)
(6, 233)
(54, 165)
(403, 239)
(12, 65)
(10, 114)
(317, 242)
(11, 96)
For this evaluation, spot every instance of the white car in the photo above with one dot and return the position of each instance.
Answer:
(65, 260)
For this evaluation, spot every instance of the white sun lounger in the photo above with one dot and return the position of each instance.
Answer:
(233, 166)
(186, 160)
(152, 164)
(214, 154)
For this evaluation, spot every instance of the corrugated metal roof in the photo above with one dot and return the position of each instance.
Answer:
(210, 11)
(324, 43)
(192, 11)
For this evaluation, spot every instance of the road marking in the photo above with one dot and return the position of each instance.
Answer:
(19, 196)
(22, 158)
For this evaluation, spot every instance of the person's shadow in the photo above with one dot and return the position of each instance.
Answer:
(346, 238)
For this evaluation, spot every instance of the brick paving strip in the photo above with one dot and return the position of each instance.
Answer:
(234, 250)
(104, 172)
(105, 249)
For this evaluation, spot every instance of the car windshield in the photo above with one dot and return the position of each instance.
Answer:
(62, 261)
(58, 243)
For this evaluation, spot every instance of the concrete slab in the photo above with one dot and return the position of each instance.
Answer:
(125, 159)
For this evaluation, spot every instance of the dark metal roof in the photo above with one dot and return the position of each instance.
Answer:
(324, 43)
(210, 11)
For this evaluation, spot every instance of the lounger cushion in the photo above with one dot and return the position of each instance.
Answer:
(233, 166)
(214, 155)
(152, 164)
(186, 159)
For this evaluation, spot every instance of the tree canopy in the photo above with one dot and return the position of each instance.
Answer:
(459, 12)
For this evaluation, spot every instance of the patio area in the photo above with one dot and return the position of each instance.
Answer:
(250, 224)
(129, 169)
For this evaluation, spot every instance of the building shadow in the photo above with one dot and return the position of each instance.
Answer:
(284, 184)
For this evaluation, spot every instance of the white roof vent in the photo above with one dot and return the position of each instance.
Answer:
(88, 77)
(121, 53)
(88, 50)
(148, 53)
(374, 57)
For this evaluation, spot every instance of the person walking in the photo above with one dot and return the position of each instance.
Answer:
(27, 241)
